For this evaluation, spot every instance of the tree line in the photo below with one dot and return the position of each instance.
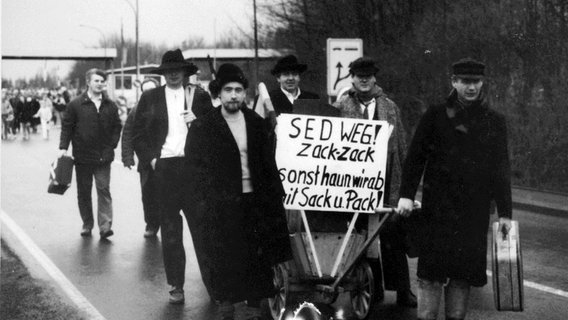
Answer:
(523, 42)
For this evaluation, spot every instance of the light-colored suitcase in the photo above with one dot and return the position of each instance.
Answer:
(507, 269)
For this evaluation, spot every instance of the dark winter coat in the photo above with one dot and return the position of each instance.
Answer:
(385, 110)
(126, 144)
(151, 122)
(94, 134)
(282, 104)
(29, 109)
(465, 164)
(223, 241)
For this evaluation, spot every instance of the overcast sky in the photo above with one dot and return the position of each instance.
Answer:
(40, 24)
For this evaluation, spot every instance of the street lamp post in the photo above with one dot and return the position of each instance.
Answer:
(104, 40)
(255, 45)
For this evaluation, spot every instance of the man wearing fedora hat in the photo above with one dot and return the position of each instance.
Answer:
(460, 148)
(241, 229)
(287, 72)
(366, 100)
(162, 119)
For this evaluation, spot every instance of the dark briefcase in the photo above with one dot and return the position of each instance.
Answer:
(60, 175)
(507, 269)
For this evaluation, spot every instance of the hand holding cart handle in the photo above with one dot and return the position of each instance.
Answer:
(407, 206)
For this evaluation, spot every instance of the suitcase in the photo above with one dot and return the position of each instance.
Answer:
(507, 269)
(60, 175)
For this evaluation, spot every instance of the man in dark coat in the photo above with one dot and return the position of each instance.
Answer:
(160, 128)
(92, 125)
(287, 72)
(461, 149)
(149, 192)
(237, 193)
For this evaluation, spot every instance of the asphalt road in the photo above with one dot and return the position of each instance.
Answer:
(123, 277)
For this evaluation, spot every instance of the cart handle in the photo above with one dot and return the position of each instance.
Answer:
(387, 213)
(417, 205)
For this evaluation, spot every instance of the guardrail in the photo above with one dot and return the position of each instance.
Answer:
(554, 203)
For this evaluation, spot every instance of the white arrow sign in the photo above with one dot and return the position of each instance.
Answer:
(340, 53)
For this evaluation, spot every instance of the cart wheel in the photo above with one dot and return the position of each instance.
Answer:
(281, 282)
(363, 295)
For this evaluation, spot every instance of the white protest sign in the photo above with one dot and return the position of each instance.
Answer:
(332, 164)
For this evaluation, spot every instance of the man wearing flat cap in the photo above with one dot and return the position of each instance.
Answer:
(460, 149)
(287, 72)
(366, 100)
(160, 128)
(236, 191)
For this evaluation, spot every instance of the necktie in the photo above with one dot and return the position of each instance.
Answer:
(366, 112)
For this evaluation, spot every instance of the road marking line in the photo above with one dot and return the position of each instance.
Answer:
(540, 287)
(72, 292)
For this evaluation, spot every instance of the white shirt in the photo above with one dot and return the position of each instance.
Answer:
(177, 129)
(239, 130)
(291, 97)
(371, 106)
(96, 100)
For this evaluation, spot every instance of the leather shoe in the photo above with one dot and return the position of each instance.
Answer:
(176, 295)
(85, 232)
(406, 299)
(106, 234)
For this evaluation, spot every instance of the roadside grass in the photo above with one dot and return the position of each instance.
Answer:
(24, 298)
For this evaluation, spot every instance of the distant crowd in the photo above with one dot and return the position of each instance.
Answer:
(26, 111)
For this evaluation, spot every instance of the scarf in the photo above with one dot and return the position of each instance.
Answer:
(365, 97)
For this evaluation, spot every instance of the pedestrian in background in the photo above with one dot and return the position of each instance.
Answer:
(91, 124)
(59, 105)
(149, 192)
(460, 149)
(160, 131)
(366, 100)
(29, 109)
(7, 117)
(240, 229)
(17, 102)
(45, 114)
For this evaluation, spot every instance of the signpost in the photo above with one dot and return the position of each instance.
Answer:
(340, 53)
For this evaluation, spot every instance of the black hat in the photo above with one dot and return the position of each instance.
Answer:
(229, 72)
(288, 63)
(363, 66)
(172, 60)
(469, 68)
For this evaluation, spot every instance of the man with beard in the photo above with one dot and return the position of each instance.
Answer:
(460, 147)
(240, 229)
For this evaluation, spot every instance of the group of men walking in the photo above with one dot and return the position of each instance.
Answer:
(217, 166)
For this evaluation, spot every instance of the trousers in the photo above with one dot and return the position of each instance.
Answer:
(84, 175)
(456, 295)
(170, 186)
(149, 199)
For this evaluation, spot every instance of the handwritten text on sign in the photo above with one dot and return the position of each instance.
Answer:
(332, 164)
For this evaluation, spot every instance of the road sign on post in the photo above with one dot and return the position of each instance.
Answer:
(340, 53)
